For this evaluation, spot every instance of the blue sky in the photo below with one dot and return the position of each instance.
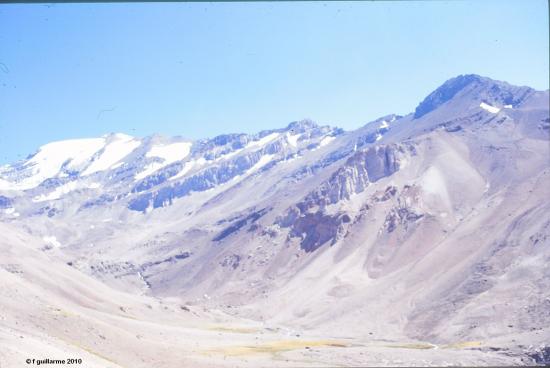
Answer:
(203, 69)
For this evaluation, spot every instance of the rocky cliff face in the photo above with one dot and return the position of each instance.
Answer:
(308, 220)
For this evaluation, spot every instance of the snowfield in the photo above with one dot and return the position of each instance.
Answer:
(114, 151)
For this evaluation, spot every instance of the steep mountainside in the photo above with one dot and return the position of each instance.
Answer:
(430, 229)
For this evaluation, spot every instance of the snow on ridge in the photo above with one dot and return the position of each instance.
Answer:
(323, 142)
(118, 136)
(116, 166)
(188, 166)
(326, 140)
(262, 141)
(384, 124)
(148, 170)
(489, 108)
(264, 160)
(227, 155)
(169, 153)
(202, 161)
(51, 157)
(58, 192)
(121, 146)
(71, 154)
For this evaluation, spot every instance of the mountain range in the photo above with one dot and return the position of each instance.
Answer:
(421, 239)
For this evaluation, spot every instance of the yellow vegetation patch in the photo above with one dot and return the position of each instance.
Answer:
(235, 329)
(276, 347)
(463, 345)
(419, 345)
(61, 312)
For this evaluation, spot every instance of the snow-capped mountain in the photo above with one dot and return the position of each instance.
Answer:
(429, 229)
(154, 170)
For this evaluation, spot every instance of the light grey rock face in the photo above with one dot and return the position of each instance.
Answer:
(354, 176)
(431, 226)
(308, 220)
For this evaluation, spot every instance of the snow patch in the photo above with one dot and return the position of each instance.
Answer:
(57, 193)
(149, 169)
(171, 152)
(264, 160)
(229, 155)
(292, 158)
(384, 124)
(489, 108)
(326, 140)
(121, 146)
(508, 107)
(116, 166)
(188, 166)
(52, 241)
(292, 139)
(378, 136)
(262, 141)
(5, 185)
(64, 189)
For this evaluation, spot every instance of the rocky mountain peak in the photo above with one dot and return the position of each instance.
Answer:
(474, 89)
(301, 126)
(445, 92)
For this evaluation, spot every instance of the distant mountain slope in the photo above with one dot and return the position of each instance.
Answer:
(428, 227)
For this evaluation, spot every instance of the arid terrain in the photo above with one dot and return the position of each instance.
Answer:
(414, 240)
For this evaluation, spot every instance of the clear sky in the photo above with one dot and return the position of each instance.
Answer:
(203, 69)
